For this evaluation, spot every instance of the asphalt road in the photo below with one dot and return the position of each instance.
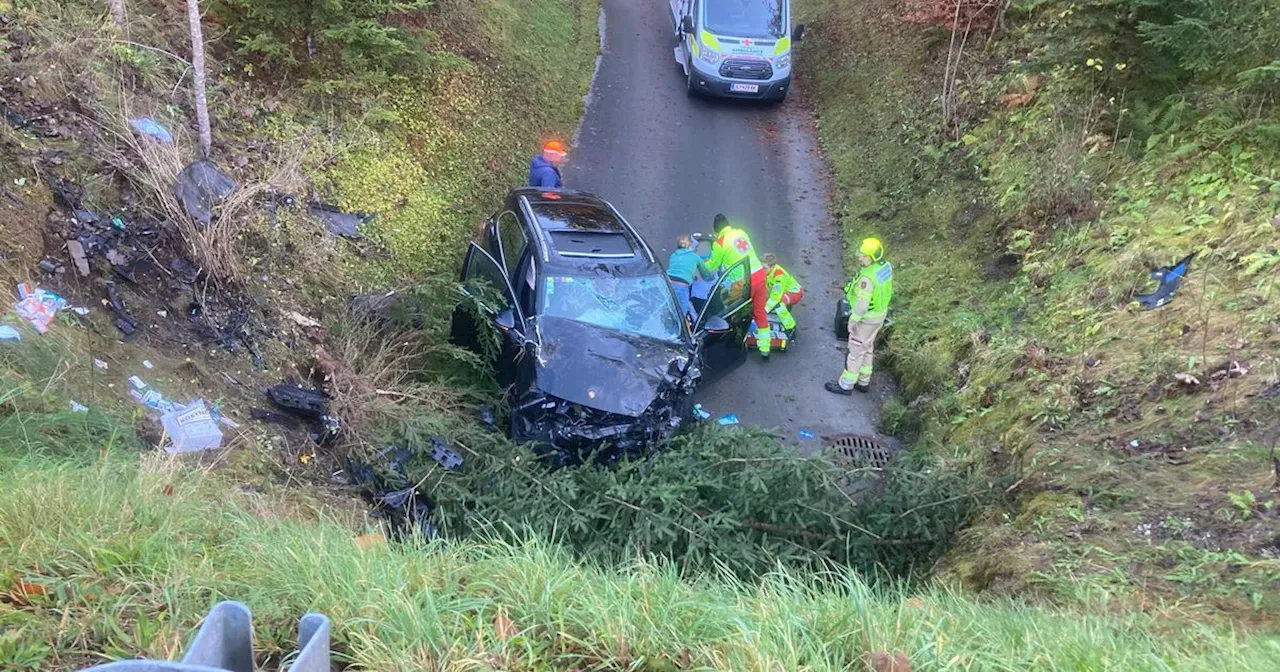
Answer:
(670, 163)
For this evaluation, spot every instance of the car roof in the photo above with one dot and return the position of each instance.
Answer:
(578, 228)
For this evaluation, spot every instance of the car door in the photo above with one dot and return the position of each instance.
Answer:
(723, 336)
(487, 284)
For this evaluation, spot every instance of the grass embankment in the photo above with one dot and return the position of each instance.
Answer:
(1078, 158)
(90, 572)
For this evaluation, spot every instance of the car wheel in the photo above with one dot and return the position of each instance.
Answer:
(689, 88)
(777, 100)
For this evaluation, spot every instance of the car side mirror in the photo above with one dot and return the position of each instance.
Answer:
(686, 25)
(797, 33)
(716, 325)
(506, 321)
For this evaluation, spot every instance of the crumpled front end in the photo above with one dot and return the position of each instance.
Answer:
(568, 433)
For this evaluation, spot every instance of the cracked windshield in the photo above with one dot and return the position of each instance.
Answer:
(642, 306)
(745, 18)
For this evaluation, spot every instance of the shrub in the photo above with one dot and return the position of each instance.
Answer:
(336, 43)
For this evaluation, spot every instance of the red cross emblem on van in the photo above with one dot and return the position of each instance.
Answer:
(746, 42)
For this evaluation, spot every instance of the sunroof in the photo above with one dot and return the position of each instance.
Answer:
(553, 216)
(570, 243)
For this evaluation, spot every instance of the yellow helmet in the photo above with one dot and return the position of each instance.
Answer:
(871, 247)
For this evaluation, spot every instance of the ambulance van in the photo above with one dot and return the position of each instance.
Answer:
(735, 48)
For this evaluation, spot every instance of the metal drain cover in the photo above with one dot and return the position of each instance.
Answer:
(855, 450)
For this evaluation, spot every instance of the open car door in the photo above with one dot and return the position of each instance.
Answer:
(723, 335)
(488, 286)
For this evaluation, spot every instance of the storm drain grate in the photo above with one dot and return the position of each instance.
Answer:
(855, 450)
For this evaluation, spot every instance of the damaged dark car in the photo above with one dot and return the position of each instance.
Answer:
(594, 355)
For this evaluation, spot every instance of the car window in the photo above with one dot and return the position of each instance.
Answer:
(513, 241)
(745, 18)
(484, 280)
(642, 305)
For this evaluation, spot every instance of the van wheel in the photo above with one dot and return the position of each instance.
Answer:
(689, 88)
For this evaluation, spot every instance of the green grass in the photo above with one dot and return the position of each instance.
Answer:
(1017, 237)
(130, 570)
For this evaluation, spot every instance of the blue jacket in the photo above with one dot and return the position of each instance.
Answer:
(685, 265)
(543, 174)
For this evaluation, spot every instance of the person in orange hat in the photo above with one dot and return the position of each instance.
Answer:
(544, 170)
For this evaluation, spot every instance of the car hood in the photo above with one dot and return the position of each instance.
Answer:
(603, 369)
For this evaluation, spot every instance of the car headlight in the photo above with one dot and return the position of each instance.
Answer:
(708, 55)
(783, 62)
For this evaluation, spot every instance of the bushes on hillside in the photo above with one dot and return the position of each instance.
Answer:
(338, 44)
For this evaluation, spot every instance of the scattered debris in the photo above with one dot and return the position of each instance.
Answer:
(312, 404)
(406, 510)
(806, 435)
(100, 364)
(38, 306)
(185, 271)
(200, 187)
(48, 266)
(338, 223)
(1186, 379)
(124, 321)
(78, 407)
(191, 428)
(151, 127)
(487, 418)
(447, 457)
(66, 193)
(8, 333)
(729, 419)
(81, 311)
(147, 363)
(699, 413)
(1169, 279)
(302, 320)
(76, 250)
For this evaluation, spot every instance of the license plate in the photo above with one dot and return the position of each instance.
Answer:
(744, 88)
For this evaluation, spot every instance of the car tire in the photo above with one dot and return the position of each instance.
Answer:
(778, 99)
(690, 89)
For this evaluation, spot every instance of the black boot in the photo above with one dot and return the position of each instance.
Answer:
(834, 388)
(862, 388)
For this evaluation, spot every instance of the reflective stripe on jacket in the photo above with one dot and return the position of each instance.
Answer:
(870, 292)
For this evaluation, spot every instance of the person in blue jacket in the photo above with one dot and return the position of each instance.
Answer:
(683, 268)
(544, 170)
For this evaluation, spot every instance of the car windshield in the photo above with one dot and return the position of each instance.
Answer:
(745, 18)
(641, 305)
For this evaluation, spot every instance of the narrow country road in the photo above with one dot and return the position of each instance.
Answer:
(670, 163)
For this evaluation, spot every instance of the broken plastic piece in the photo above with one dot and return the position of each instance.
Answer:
(806, 434)
(313, 402)
(78, 407)
(443, 454)
(336, 221)
(76, 250)
(200, 187)
(699, 413)
(147, 363)
(100, 364)
(729, 419)
(151, 127)
(1170, 278)
(118, 223)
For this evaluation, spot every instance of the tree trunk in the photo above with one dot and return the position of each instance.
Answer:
(198, 77)
(117, 12)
